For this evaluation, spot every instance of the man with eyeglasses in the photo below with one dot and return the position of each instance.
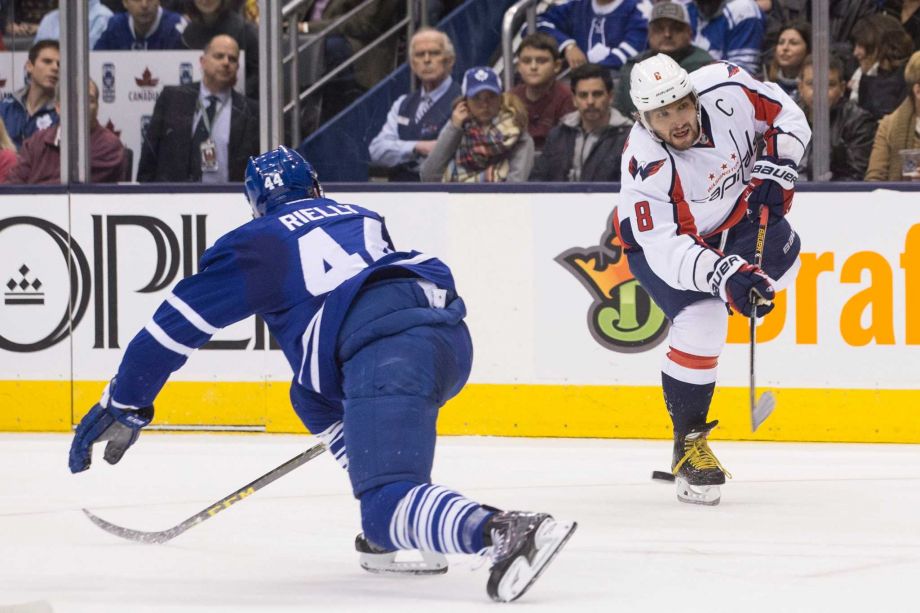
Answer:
(546, 99)
(415, 119)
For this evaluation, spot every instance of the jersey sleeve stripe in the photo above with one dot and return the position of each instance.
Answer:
(765, 109)
(160, 336)
(310, 345)
(628, 49)
(191, 315)
(622, 56)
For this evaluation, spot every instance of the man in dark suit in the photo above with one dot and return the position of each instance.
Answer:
(202, 131)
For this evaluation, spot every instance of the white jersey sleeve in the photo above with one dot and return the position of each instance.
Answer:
(654, 215)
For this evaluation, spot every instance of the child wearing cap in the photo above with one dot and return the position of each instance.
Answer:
(486, 139)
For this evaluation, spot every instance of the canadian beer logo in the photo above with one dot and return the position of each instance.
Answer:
(24, 289)
(623, 316)
(147, 82)
(146, 79)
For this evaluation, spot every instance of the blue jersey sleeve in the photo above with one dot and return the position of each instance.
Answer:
(556, 21)
(743, 44)
(199, 306)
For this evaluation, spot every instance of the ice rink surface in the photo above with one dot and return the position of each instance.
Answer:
(801, 527)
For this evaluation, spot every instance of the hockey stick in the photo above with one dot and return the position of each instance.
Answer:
(224, 503)
(762, 407)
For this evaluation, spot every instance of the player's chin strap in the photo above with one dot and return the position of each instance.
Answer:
(374, 559)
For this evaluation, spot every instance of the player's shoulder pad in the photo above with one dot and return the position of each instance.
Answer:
(644, 161)
(712, 75)
(739, 10)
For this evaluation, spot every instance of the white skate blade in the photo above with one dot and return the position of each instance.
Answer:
(550, 537)
(431, 563)
(708, 495)
(762, 410)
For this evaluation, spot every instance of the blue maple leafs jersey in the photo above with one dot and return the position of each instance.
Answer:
(299, 267)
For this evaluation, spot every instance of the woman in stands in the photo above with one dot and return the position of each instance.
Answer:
(881, 46)
(898, 132)
(486, 139)
(792, 47)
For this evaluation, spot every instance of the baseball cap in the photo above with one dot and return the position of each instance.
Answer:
(670, 10)
(480, 78)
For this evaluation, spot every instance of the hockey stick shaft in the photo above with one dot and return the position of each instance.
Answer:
(224, 503)
(764, 216)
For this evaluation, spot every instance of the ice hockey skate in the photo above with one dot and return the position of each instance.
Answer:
(523, 545)
(696, 469)
(378, 560)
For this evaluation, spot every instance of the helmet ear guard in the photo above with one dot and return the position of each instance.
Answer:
(278, 177)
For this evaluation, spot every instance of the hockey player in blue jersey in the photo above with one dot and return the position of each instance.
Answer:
(377, 343)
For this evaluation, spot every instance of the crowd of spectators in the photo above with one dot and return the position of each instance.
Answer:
(564, 119)
(873, 90)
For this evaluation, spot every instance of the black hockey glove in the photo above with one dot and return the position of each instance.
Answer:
(105, 422)
(772, 185)
(742, 286)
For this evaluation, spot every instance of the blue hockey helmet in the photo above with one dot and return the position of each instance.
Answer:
(278, 177)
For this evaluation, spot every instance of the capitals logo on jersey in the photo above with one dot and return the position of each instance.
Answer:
(623, 317)
(732, 69)
(644, 170)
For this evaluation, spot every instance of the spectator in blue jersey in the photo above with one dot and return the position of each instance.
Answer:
(49, 28)
(415, 120)
(669, 32)
(730, 30)
(605, 32)
(32, 108)
(486, 139)
(588, 144)
(40, 155)
(377, 342)
(144, 26)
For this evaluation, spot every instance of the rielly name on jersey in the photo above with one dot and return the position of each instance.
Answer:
(672, 201)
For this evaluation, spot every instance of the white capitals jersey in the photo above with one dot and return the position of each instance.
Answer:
(670, 200)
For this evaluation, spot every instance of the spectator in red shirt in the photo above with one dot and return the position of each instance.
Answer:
(40, 156)
(546, 99)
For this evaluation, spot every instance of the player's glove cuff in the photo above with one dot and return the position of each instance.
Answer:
(780, 170)
(743, 286)
(772, 185)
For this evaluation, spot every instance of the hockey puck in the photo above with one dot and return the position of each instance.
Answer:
(660, 475)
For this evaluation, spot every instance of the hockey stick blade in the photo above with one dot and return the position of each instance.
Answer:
(663, 476)
(162, 536)
(762, 410)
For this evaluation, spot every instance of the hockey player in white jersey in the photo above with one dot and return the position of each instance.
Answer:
(709, 150)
